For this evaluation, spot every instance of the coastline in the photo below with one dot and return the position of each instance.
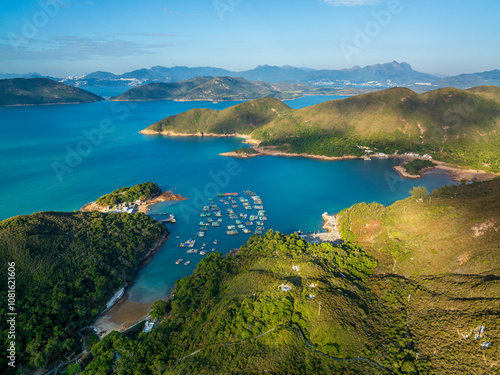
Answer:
(124, 313)
(140, 207)
(456, 173)
(197, 134)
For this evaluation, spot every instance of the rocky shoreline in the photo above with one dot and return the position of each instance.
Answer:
(140, 207)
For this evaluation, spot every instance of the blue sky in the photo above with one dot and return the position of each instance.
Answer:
(73, 37)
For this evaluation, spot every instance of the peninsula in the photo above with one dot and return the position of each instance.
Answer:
(455, 126)
(38, 91)
(135, 199)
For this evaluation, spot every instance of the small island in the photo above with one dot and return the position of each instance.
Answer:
(134, 199)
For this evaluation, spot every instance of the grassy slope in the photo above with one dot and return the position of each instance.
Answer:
(454, 125)
(377, 315)
(455, 228)
(21, 91)
(242, 118)
(458, 126)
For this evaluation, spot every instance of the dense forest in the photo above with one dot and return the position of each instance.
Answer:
(67, 266)
(142, 191)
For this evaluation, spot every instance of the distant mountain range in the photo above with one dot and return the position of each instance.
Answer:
(372, 76)
(36, 91)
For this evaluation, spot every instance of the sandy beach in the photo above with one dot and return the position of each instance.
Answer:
(121, 316)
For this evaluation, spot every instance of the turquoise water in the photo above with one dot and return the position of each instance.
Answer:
(48, 163)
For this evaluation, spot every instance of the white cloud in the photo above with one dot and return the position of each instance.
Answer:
(351, 3)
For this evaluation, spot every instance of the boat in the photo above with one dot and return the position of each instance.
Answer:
(210, 220)
(218, 214)
(216, 224)
(235, 206)
(263, 218)
(243, 216)
(246, 230)
(204, 227)
(258, 232)
(248, 208)
(259, 228)
(233, 216)
(259, 223)
(232, 232)
(192, 251)
(258, 207)
(201, 234)
(187, 263)
(215, 242)
(231, 227)
(238, 221)
(248, 223)
(206, 208)
(213, 249)
(241, 226)
(179, 261)
(253, 217)
(203, 252)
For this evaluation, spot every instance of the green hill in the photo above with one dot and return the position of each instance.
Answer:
(34, 91)
(452, 125)
(214, 88)
(242, 118)
(142, 191)
(347, 311)
(67, 266)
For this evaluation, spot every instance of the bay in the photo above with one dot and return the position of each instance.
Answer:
(63, 156)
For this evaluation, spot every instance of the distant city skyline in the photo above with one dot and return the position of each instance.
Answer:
(74, 37)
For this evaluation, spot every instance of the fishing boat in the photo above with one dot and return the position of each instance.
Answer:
(248, 223)
(229, 210)
(216, 224)
(210, 220)
(231, 227)
(238, 222)
(253, 217)
(258, 232)
(259, 223)
(258, 207)
(201, 234)
(179, 261)
(218, 214)
(263, 218)
(243, 216)
(246, 230)
(219, 220)
(192, 251)
(232, 232)
(241, 226)
(203, 252)
(233, 216)
(235, 206)
(259, 228)
(206, 208)
(187, 263)
(204, 227)
(248, 208)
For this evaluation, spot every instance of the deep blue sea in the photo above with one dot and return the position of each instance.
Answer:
(62, 156)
